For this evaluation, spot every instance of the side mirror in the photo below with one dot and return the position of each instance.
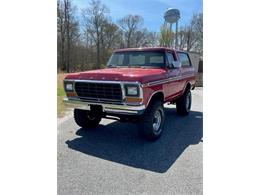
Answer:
(176, 64)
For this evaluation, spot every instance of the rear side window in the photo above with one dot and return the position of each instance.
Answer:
(184, 58)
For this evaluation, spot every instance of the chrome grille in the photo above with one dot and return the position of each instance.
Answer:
(99, 91)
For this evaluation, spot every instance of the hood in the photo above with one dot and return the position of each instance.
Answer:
(143, 75)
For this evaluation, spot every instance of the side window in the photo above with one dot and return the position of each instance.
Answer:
(184, 58)
(169, 58)
(120, 59)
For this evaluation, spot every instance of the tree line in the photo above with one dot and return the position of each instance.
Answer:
(87, 37)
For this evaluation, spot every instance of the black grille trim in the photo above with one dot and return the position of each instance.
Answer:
(110, 92)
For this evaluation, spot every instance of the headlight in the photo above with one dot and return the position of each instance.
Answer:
(68, 86)
(131, 90)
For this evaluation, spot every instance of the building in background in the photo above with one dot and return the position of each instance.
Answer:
(197, 61)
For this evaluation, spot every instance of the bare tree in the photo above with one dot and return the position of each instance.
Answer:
(129, 25)
(61, 35)
(139, 38)
(190, 38)
(67, 7)
(94, 19)
(110, 39)
(152, 39)
(198, 28)
(68, 31)
(194, 34)
(88, 44)
(182, 38)
(166, 36)
(144, 38)
(75, 43)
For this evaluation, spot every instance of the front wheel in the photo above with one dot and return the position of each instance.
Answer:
(183, 104)
(86, 119)
(152, 122)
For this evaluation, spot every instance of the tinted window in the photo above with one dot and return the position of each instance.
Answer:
(184, 58)
(137, 58)
(170, 58)
(118, 60)
(157, 59)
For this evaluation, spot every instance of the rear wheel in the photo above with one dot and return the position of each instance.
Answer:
(152, 123)
(183, 104)
(86, 119)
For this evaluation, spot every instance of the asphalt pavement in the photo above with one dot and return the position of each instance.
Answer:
(113, 159)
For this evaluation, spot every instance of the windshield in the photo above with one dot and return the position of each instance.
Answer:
(137, 59)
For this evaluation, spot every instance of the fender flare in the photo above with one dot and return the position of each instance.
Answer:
(152, 95)
(187, 84)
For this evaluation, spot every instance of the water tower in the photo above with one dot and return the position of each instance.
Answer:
(172, 16)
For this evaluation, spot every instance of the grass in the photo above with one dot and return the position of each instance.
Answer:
(60, 94)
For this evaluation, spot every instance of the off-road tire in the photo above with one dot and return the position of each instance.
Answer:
(85, 119)
(146, 123)
(183, 104)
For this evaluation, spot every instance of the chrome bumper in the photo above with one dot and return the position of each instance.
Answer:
(107, 108)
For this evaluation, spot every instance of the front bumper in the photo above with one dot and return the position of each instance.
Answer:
(114, 108)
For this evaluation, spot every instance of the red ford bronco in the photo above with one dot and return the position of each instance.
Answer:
(133, 87)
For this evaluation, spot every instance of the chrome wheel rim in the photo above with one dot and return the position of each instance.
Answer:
(157, 120)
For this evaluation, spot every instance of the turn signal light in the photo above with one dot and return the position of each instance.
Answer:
(71, 94)
(133, 99)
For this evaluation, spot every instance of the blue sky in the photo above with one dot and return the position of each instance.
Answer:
(151, 10)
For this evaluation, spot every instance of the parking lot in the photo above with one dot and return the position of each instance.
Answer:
(113, 159)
